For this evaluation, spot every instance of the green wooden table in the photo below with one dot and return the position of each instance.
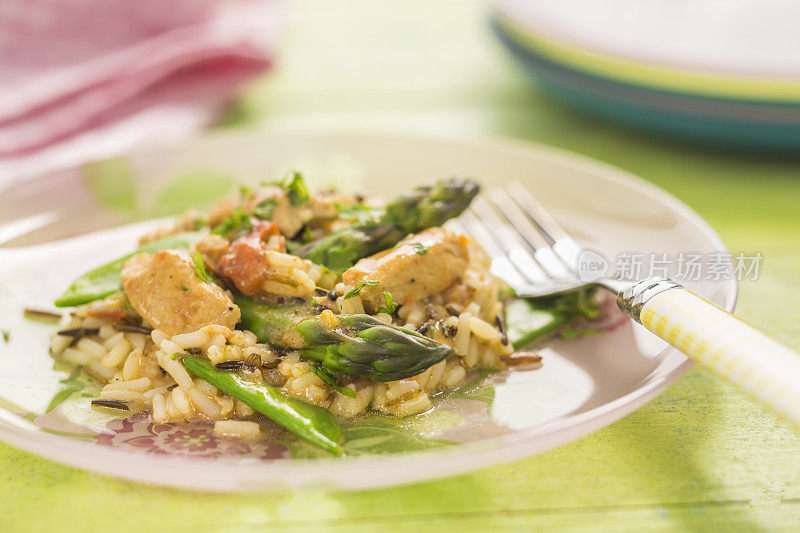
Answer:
(698, 457)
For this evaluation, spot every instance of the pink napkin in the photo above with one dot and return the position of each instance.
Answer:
(84, 78)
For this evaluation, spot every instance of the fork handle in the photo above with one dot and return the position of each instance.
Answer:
(764, 368)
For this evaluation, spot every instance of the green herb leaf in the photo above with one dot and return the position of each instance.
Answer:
(360, 285)
(307, 236)
(200, 268)
(358, 212)
(265, 208)
(6, 335)
(184, 288)
(234, 226)
(330, 377)
(391, 306)
(72, 384)
(419, 248)
(295, 187)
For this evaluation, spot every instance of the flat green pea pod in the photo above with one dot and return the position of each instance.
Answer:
(529, 320)
(310, 422)
(104, 280)
(526, 322)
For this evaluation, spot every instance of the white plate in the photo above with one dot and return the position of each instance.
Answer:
(758, 39)
(584, 385)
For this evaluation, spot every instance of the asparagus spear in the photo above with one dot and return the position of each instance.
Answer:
(275, 325)
(104, 280)
(422, 208)
(315, 424)
(364, 345)
(349, 344)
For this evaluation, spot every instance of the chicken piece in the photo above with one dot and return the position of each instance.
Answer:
(419, 266)
(257, 265)
(165, 290)
(212, 248)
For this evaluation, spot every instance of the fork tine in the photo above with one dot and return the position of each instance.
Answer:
(563, 245)
(502, 267)
(508, 239)
(544, 254)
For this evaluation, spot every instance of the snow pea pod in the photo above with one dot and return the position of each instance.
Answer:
(528, 320)
(310, 422)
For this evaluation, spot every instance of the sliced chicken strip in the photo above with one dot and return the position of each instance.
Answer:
(419, 266)
(166, 291)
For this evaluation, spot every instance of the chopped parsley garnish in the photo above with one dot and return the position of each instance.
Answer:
(357, 212)
(234, 226)
(291, 245)
(295, 187)
(184, 288)
(330, 377)
(307, 236)
(6, 335)
(360, 285)
(200, 269)
(265, 208)
(391, 306)
(419, 248)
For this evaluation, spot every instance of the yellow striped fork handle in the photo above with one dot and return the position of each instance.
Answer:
(764, 368)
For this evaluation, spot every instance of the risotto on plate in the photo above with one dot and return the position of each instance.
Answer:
(305, 308)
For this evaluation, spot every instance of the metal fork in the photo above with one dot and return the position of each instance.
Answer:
(538, 258)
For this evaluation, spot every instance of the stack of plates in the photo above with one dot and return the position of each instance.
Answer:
(721, 71)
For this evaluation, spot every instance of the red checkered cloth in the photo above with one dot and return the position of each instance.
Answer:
(84, 78)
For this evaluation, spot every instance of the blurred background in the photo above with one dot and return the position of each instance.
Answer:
(702, 97)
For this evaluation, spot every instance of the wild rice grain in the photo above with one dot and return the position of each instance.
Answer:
(132, 329)
(111, 404)
(78, 332)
